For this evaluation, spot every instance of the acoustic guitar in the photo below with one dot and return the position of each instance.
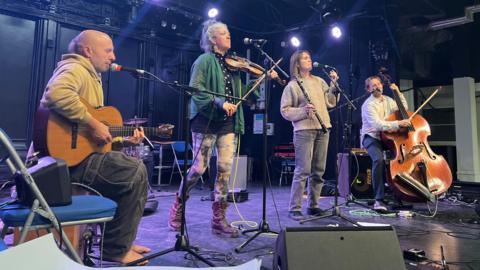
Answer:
(56, 136)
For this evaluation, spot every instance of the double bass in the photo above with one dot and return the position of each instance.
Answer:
(415, 173)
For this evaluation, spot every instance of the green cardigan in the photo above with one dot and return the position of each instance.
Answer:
(206, 74)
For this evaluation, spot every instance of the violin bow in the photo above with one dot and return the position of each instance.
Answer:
(424, 103)
(257, 83)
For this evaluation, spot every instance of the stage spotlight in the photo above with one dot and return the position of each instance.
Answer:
(295, 42)
(212, 13)
(336, 31)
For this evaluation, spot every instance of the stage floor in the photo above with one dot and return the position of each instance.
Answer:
(451, 227)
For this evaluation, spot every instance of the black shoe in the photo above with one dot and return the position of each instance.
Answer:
(296, 215)
(315, 211)
(380, 207)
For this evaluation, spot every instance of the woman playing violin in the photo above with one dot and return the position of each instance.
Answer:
(374, 111)
(311, 122)
(215, 121)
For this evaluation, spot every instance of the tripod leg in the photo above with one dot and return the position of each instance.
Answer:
(189, 250)
(348, 220)
(244, 244)
(315, 218)
(249, 231)
(350, 199)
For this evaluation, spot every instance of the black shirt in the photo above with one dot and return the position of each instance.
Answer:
(199, 122)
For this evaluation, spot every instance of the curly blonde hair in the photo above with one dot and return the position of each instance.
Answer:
(210, 27)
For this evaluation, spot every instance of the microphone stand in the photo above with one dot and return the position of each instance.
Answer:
(347, 130)
(182, 243)
(335, 209)
(263, 226)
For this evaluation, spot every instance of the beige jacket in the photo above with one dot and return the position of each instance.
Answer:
(293, 101)
(74, 77)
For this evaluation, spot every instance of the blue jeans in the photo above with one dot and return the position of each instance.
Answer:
(310, 160)
(375, 151)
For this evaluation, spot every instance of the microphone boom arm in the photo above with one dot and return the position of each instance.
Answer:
(272, 61)
(340, 91)
(257, 82)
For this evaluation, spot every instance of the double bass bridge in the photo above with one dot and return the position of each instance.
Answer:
(415, 150)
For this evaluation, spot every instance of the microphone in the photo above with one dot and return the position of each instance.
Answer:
(114, 67)
(316, 65)
(249, 41)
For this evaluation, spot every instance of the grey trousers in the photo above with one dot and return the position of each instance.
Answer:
(124, 180)
(310, 160)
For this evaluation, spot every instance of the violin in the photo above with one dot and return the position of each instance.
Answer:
(416, 173)
(236, 63)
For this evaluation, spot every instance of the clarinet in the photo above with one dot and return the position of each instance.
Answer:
(324, 128)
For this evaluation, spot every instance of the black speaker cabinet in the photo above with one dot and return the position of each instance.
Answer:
(52, 178)
(355, 175)
(372, 248)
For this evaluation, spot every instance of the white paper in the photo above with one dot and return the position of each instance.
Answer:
(43, 254)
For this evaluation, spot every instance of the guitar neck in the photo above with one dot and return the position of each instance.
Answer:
(128, 131)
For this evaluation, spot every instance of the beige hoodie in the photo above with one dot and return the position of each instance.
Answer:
(74, 77)
(293, 102)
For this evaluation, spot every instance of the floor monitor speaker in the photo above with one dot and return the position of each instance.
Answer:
(373, 248)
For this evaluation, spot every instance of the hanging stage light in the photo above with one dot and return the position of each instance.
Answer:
(212, 13)
(336, 31)
(295, 41)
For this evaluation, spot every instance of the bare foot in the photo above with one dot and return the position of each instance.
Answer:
(140, 249)
(130, 256)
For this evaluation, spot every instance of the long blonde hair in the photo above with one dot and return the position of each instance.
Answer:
(208, 32)
(295, 63)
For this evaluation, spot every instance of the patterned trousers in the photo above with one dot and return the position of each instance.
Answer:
(225, 145)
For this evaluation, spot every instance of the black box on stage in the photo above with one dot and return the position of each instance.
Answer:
(52, 178)
(373, 248)
(237, 195)
(355, 174)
